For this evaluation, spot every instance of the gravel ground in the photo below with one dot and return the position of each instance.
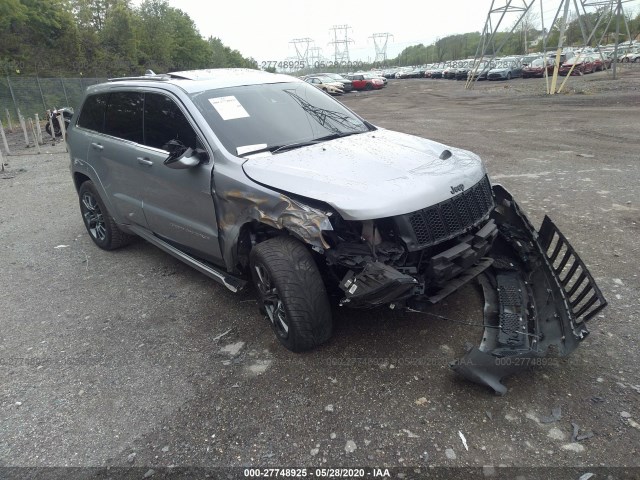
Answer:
(131, 359)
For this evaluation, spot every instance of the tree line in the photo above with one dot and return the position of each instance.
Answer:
(95, 38)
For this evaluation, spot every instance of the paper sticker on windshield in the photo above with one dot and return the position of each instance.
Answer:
(229, 108)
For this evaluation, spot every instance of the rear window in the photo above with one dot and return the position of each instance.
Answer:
(92, 114)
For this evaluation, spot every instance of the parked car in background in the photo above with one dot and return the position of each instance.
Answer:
(537, 68)
(376, 75)
(449, 72)
(434, 71)
(326, 84)
(527, 59)
(362, 81)
(347, 86)
(564, 56)
(600, 62)
(404, 72)
(505, 69)
(482, 70)
(578, 65)
(464, 69)
(390, 73)
(633, 56)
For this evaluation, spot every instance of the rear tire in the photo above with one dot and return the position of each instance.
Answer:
(100, 225)
(56, 129)
(291, 292)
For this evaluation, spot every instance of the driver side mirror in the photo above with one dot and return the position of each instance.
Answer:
(182, 157)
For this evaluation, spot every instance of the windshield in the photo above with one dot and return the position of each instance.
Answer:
(267, 116)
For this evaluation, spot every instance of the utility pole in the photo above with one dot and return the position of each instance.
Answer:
(340, 43)
(380, 41)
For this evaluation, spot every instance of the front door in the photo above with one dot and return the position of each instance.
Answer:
(177, 204)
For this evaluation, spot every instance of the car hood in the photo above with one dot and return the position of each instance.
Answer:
(371, 175)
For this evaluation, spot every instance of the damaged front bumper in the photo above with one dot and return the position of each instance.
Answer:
(538, 293)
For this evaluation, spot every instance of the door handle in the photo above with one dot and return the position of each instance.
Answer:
(144, 161)
(97, 146)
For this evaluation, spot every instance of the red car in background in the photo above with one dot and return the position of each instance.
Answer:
(583, 64)
(601, 64)
(363, 81)
(536, 68)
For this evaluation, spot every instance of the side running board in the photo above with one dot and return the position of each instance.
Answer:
(232, 283)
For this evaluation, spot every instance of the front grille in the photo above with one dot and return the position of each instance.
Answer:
(452, 217)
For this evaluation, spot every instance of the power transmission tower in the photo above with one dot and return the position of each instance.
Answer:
(583, 21)
(487, 41)
(315, 55)
(302, 49)
(614, 8)
(380, 41)
(340, 43)
(494, 19)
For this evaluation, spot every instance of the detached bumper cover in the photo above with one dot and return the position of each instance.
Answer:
(538, 295)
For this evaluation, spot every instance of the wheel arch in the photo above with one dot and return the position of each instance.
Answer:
(254, 232)
(79, 179)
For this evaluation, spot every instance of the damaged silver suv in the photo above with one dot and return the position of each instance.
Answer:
(251, 176)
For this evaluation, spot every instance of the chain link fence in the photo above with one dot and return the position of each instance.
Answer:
(32, 95)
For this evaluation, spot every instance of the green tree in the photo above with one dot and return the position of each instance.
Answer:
(118, 40)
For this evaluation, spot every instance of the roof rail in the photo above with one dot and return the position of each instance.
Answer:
(162, 77)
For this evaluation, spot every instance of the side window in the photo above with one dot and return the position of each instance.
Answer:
(92, 113)
(164, 121)
(124, 116)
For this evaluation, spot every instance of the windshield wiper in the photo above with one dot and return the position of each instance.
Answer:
(289, 146)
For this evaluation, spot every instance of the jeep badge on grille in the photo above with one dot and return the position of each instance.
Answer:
(457, 188)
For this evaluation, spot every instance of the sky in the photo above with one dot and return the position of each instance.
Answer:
(264, 29)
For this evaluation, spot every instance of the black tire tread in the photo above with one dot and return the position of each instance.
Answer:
(299, 283)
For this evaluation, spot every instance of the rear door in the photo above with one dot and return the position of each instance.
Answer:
(178, 204)
(112, 150)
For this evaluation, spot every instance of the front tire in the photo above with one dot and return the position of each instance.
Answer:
(291, 292)
(100, 225)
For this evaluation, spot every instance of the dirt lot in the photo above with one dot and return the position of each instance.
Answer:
(130, 359)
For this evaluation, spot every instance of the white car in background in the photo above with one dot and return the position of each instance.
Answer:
(326, 84)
